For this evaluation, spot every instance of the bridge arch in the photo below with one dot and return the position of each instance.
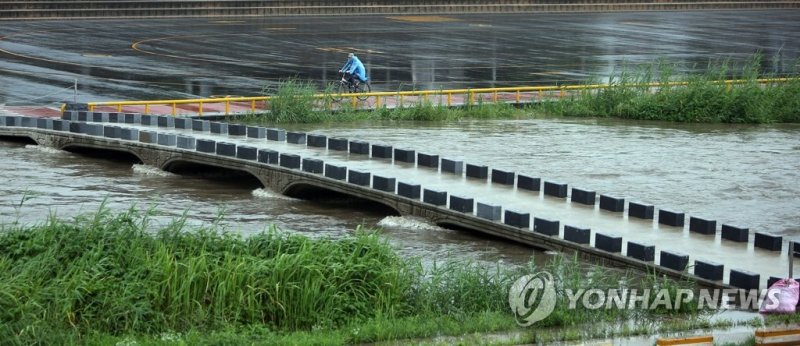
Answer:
(307, 189)
(19, 139)
(202, 169)
(116, 154)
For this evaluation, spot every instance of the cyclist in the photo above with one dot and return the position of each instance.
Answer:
(354, 68)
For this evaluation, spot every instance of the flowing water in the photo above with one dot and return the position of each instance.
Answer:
(740, 175)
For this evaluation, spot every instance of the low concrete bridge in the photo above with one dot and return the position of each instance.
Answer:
(451, 193)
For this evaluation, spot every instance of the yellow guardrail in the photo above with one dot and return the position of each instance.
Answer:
(472, 95)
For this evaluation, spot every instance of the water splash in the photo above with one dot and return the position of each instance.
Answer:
(269, 194)
(150, 170)
(43, 149)
(407, 222)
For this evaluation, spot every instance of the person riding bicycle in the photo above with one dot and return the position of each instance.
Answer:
(354, 68)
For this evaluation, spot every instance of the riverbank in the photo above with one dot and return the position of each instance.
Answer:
(655, 92)
(114, 277)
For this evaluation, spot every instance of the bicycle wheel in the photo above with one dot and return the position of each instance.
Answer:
(363, 88)
(338, 89)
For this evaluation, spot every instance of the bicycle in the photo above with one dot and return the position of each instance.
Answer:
(343, 86)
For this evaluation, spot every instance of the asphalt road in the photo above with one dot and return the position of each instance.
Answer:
(181, 58)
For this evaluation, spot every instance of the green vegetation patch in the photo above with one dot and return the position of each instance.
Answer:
(110, 277)
(656, 92)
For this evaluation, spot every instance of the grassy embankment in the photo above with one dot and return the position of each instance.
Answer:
(643, 94)
(108, 278)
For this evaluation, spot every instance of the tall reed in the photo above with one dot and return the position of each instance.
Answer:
(646, 94)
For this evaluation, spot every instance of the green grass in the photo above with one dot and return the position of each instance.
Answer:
(629, 95)
(702, 99)
(108, 278)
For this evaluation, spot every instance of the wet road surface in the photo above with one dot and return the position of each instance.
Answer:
(183, 58)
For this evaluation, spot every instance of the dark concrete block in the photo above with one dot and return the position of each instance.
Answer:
(115, 117)
(583, 196)
(358, 177)
(186, 142)
(218, 128)
(744, 279)
(129, 134)
(205, 145)
(768, 241)
(674, 260)
(133, 118)
(296, 137)
(452, 166)
(434, 197)
(335, 172)
(614, 204)
(639, 210)
(316, 141)
(382, 151)
(149, 120)
(167, 139)
(47, 124)
(61, 125)
(112, 131)
(277, 135)
(339, 144)
(412, 191)
(737, 234)
(268, 156)
(517, 219)
(608, 243)
(403, 155)
(313, 166)
(74, 127)
(17, 121)
(427, 160)
(702, 226)
(100, 117)
(462, 204)
(489, 212)
(168, 122)
(577, 235)
(503, 177)
(95, 129)
(670, 218)
(525, 182)
(256, 132)
(382, 183)
(148, 137)
(545, 226)
(708, 270)
(84, 116)
(290, 161)
(794, 248)
(237, 130)
(641, 252)
(29, 122)
(246, 152)
(226, 149)
(555, 189)
(183, 123)
(67, 115)
(359, 147)
(477, 171)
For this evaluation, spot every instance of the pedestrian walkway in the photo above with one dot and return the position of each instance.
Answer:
(375, 100)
